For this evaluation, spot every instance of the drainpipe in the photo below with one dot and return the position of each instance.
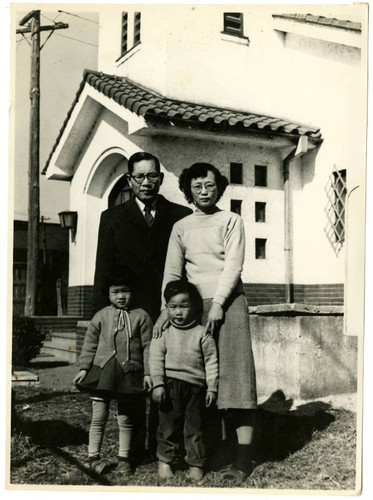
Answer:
(298, 152)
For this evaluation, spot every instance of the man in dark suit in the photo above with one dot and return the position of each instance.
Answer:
(132, 240)
(133, 237)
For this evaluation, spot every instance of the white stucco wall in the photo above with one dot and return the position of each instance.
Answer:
(104, 160)
(303, 72)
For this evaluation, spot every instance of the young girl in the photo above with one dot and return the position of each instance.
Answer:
(183, 364)
(210, 246)
(114, 365)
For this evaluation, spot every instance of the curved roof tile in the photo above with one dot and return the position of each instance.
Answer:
(149, 104)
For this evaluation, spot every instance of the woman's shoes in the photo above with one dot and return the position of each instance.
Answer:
(236, 475)
(164, 470)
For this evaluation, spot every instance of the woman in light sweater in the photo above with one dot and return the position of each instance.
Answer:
(210, 246)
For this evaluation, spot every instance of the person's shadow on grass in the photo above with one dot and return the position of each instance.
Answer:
(279, 431)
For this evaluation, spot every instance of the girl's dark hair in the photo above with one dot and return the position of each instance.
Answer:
(200, 170)
(181, 286)
(122, 280)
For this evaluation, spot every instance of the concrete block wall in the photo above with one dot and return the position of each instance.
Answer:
(304, 355)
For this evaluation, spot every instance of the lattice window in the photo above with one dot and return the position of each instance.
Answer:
(336, 191)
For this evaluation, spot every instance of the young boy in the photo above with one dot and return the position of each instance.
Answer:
(182, 362)
(114, 365)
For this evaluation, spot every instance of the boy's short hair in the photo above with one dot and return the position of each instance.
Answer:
(122, 280)
(182, 286)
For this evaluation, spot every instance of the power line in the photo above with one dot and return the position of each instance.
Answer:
(76, 15)
(76, 40)
(49, 19)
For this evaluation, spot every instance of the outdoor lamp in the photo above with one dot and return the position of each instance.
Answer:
(69, 220)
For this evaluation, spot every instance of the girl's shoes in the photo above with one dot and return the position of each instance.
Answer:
(97, 466)
(196, 474)
(164, 470)
(124, 466)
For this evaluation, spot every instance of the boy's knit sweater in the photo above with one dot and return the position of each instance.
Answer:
(184, 353)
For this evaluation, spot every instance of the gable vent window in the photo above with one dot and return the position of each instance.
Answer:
(137, 28)
(236, 206)
(236, 173)
(124, 40)
(233, 23)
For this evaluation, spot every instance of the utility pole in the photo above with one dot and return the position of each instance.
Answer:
(33, 168)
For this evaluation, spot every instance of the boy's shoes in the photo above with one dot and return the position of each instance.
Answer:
(196, 474)
(164, 470)
(124, 466)
(97, 466)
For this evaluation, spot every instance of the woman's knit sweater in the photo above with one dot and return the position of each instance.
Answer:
(212, 249)
(186, 354)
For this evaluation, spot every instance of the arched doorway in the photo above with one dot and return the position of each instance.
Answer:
(120, 193)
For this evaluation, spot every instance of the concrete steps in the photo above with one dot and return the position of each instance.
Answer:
(62, 345)
(60, 336)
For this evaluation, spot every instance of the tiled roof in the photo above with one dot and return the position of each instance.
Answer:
(153, 106)
(321, 20)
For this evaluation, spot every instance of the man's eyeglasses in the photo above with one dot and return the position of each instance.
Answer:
(153, 177)
(198, 188)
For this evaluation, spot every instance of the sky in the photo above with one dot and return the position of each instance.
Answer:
(63, 59)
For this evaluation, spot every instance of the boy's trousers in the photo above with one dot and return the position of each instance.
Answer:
(182, 415)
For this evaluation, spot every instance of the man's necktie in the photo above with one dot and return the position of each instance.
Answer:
(148, 216)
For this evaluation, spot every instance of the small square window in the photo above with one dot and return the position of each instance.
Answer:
(260, 175)
(236, 173)
(236, 206)
(260, 211)
(233, 23)
(260, 248)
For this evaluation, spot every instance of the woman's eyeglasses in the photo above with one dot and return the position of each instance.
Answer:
(197, 188)
(153, 177)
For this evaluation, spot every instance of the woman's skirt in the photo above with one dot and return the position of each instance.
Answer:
(237, 381)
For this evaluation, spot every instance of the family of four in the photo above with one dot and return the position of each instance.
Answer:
(171, 319)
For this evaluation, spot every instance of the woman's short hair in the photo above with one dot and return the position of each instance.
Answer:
(182, 286)
(201, 170)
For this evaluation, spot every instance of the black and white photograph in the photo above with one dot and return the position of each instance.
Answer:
(187, 247)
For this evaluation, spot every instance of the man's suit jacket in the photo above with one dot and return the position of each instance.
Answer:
(126, 244)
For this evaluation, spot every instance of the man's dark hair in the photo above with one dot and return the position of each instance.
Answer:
(201, 170)
(113, 280)
(142, 155)
(182, 286)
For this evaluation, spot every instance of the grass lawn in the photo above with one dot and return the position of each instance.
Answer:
(311, 448)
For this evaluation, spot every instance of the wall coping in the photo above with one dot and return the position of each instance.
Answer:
(296, 309)
(83, 323)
